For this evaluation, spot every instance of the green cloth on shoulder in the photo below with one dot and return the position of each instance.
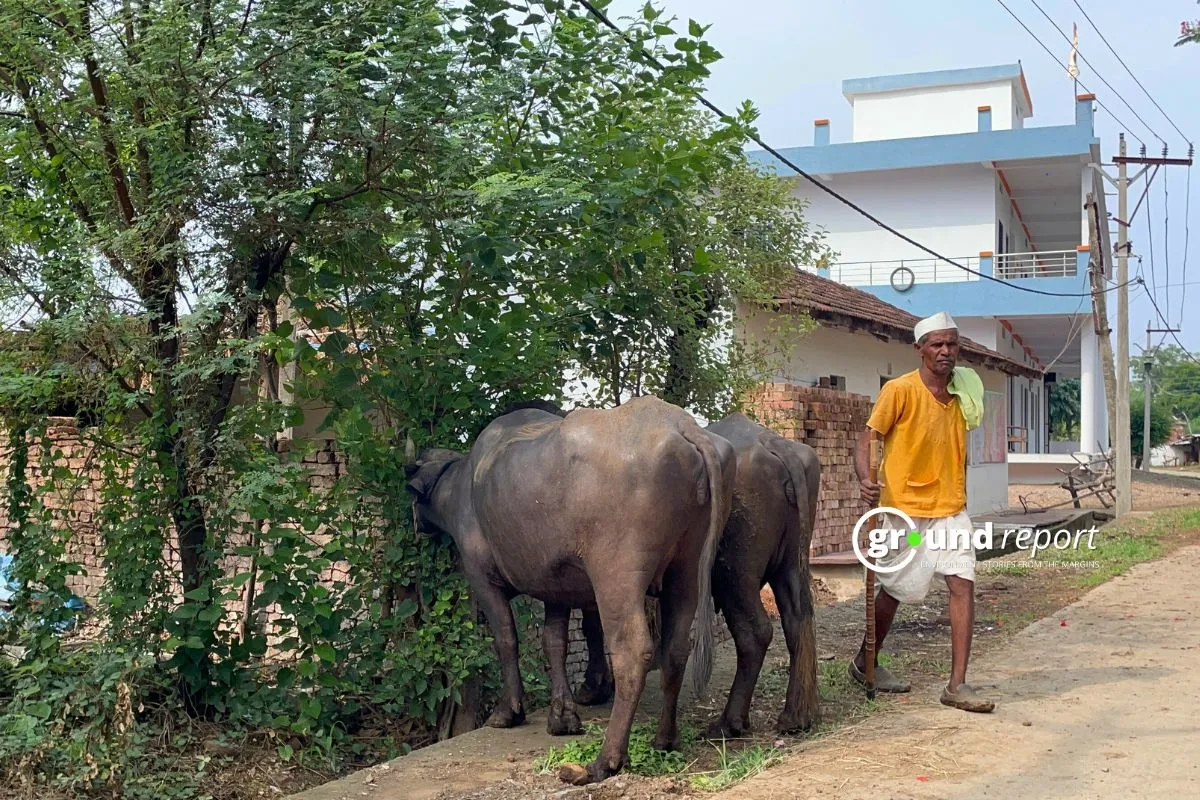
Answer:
(967, 386)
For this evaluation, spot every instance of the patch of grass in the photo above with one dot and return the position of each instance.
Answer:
(773, 680)
(833, 680)
(644, 759)
(1018, 619)
(1120, 545)
(731, 769)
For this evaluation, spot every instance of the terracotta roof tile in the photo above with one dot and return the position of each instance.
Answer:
(838, 304)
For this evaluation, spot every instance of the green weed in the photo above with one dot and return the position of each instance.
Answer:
(736, 767)
(644, 759)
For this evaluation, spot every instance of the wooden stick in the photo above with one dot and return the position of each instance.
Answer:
(876, 458)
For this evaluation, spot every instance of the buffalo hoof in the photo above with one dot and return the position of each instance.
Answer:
(724, 729)
(506, 717)
(574, 774)
(591, 695)
(664, 743)
(563, 720)
(581, 776)
(794, 722)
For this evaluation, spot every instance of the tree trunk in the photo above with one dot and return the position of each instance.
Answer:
(683, 353)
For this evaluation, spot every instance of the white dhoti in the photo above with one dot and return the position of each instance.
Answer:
(946, 548)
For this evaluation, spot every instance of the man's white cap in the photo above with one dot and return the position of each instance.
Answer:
(940, 321)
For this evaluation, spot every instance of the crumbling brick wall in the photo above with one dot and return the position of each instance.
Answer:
(76, 509)
(79, 510)
(829, 421)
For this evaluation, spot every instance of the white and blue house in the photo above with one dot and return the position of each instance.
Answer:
(949, 159)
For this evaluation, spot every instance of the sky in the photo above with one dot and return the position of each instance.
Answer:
(789, 58)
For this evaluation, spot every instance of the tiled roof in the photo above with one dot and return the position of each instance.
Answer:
(837, 304)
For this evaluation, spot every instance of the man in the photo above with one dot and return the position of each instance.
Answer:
(923, 417)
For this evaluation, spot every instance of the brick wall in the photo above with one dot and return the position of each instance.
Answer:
(577, 652)
(829, 421)
(76, 508)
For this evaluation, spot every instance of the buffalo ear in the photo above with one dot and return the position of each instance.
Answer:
(424, 477)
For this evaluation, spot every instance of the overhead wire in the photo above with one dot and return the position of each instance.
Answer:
(1076, 328)
(1167, 240)
(1113, 50)
(1150, 234)
(1167, 324)
(1064, 66)
(1188, 196)
(1096, 72)
(704, 101)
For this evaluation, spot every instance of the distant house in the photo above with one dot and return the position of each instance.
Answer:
(948, 159)
(862, 342)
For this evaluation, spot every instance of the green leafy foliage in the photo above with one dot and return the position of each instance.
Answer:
(1175, 380)
(735, 767)
(1161, 422)
(644, 759)
(229, 231)
(1064, 409)
(74, 725)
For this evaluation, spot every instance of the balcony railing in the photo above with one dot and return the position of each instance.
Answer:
(901, 273)
(1049, 264)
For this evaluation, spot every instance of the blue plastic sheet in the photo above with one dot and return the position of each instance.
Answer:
(9, 586)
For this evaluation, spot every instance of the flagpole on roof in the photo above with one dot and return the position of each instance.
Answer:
(1072, 66)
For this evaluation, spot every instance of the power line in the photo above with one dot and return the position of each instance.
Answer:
(1079, 53)
(1174, 336)
(1186, 283)
(1076, 328)
(1064, 66)
(1150, 234)
(599, 15)
(1127, 69)
(1167, 238)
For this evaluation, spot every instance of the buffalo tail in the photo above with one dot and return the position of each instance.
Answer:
(702, 625)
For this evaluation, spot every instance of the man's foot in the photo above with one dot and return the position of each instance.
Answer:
(967, 699)
(885, 681)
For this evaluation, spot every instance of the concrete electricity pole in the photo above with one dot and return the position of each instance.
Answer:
(1124, 444)
(1147, 363)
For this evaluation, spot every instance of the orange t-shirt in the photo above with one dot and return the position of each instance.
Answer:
(924, 449)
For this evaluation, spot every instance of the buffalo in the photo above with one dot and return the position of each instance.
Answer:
(766, 540)
(593, 510)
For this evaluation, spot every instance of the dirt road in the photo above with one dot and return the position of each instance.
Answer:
(1097, 701)
(1101, 706)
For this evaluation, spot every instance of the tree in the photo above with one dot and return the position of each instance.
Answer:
(1064, 409)
(409, 212)
(1189, 31)
(1175, 380)
(1161, 423)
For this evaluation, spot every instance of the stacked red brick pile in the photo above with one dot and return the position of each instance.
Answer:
(829, 421)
